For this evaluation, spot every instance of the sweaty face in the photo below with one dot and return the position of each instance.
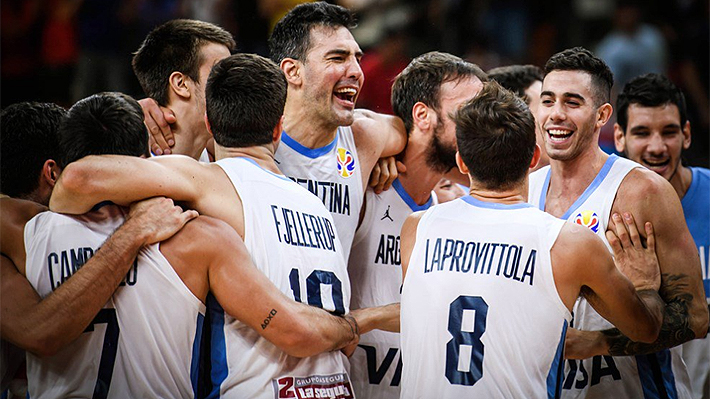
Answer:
(331, 75)
(567, 114)
(654, 138)
(453, 95)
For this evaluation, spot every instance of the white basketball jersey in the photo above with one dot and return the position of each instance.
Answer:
(332, 173)
(659, 375)
(376, 275)
(292, 240)
(142, 344)
(481, 316)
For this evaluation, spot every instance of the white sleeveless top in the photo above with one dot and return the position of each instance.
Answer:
(376, 275)
(292, 240)
(481, 316)
(659, 375)
(142, 344)
(332, 173)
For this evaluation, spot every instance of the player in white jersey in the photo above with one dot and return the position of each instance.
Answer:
(172, 66)
(587, 186)
(327, 147)
(424, 95)
(653, 129)
(245, 96)
(489, 281)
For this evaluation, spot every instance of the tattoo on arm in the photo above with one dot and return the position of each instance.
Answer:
(675, 329)
(268, 318)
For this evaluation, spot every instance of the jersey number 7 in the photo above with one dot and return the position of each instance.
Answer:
(108, 353)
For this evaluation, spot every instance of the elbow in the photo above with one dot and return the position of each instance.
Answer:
(699, 322)
(301, 341)
(40, 346)
(74, 181)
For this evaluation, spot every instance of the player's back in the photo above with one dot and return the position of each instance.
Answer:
(481, 316)
(291, 238)
(141, 344)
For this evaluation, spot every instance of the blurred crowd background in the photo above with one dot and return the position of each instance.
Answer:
(64, 50)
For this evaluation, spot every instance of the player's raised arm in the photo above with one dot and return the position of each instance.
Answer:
(633, 306)
(124, 179)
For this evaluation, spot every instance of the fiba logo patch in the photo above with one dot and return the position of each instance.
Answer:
(346, 163)
(588, 219)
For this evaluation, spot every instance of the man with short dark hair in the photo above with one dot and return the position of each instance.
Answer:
(652, 128)
(172, 65)
(489, 281)
(424, 95)
(587, 186)
(327, 146)
(288, 232)
(526, 82)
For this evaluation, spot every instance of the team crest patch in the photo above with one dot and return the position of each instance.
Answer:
(588, 219)
(346, 162)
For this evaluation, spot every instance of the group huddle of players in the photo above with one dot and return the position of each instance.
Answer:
(329, 252)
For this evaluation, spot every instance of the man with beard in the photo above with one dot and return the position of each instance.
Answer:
(653, 129)
(587, 186)
(424, 95)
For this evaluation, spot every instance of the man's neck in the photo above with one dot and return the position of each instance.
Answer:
(419, 179)
(681, 180)
(569, 179)
(307, 128)
(514, 195)
(190, 132)
(263, 155)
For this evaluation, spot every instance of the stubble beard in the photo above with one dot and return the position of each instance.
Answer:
(441, 157)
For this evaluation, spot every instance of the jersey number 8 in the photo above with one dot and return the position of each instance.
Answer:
(458, 370)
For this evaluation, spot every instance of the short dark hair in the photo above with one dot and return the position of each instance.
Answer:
(245, 98)
(495, 132)
(421, 81)
(581, 59)
(175, 46)
(101, 124)
(291, 37)
(517, 78)
(29, 138)
(649, 90)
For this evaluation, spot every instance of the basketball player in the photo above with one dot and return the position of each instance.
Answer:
(429, 89)
(489, 281)
(172, 65)
(288, 232)
(525, 81)
(29, 159)
(164, 303)
(653, 129)
(587, 186)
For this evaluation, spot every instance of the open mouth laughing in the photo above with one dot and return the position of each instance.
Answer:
(346, 95)
(557, 136)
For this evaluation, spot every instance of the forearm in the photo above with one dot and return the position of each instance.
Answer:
(316, 331)
(675, 330)
(58, 319)
(384, 318)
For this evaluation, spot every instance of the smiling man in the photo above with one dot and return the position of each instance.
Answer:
(326, 146)
(586, 186)
(653, 129)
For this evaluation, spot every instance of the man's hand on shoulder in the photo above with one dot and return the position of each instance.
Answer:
(157, 219)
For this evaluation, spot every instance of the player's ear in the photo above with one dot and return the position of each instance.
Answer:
(462, 166)
(277, 130)
(207, 124)
(178, 85)
(686, 135)
(603, 114)
(50, 172)
(536, 156)
(619, 138)
(292, 70)
(421, 116)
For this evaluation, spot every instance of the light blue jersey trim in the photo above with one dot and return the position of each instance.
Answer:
(309, 152)
(397, 185)
(587, 192)
(494, 205)
(656, 375)
(555, 376)
(218, 348)
(195, 362)
(267, 171)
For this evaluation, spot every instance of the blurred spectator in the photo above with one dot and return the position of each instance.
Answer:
(20, 38)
